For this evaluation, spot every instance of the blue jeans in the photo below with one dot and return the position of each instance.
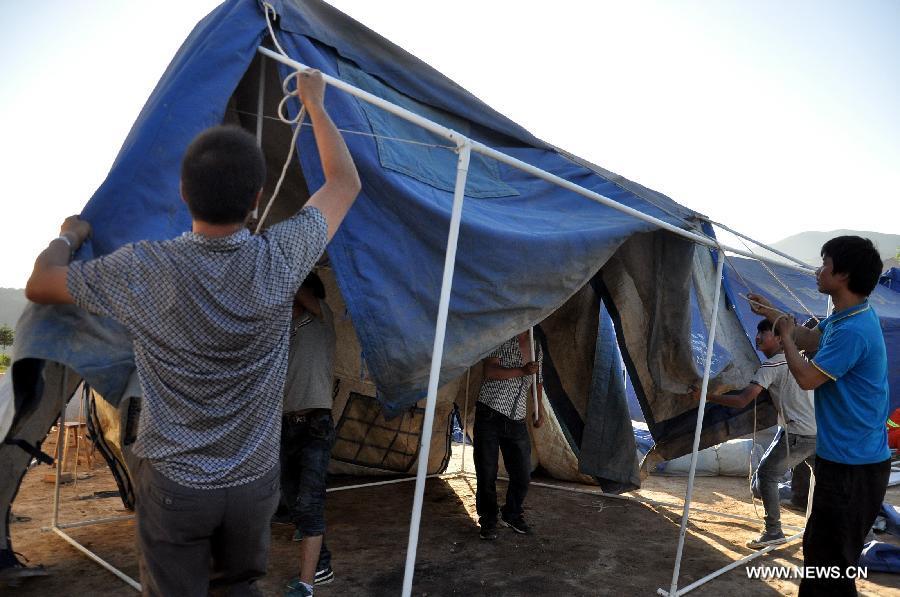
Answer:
(306, 442)
(495, 433)
(774, 464)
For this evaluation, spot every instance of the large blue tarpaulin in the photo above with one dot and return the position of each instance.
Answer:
(525, 245)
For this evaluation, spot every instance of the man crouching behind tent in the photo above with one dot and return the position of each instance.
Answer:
(209, 313)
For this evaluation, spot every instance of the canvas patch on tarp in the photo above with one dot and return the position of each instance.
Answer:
(410, 149)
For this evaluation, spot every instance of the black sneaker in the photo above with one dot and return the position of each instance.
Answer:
(517, 524)
(766, 539)
(488, 532)
(324, 576)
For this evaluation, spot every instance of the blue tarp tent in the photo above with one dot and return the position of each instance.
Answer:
(525, 245)
(530, 253)
(517, 231)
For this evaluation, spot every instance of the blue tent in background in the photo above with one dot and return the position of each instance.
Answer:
(891, 279)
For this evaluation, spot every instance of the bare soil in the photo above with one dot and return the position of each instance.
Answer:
(583, 544)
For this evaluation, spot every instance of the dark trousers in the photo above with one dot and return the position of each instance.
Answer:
(494, 432)
(846, 500)
(180, 529)
(306, 442)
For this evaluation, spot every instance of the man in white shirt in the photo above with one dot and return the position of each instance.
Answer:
(795, 441)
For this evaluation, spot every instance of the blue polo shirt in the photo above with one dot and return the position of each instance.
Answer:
(852, 406)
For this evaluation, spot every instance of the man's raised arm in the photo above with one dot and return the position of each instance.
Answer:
(47, 284)
(342, 184)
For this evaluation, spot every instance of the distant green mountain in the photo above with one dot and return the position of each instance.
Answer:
(806, 245)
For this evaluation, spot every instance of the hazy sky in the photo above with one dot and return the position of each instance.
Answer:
(772, 117)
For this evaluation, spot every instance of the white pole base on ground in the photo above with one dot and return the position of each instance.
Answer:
(728, 567)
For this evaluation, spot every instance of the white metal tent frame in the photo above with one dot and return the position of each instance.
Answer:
(464, 148)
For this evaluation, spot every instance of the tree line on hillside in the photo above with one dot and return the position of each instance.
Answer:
(7, 336)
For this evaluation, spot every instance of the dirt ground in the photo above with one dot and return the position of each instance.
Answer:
(583, 544)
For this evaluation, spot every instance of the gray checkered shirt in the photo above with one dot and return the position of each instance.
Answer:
(509, 397)
(210, 319)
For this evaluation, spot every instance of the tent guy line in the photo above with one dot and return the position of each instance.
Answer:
(287, 160)
(780, 282)
(360, 133)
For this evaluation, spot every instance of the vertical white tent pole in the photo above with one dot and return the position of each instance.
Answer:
(534, 378)
(260, 99)
(462, 169)
(713, 321)
(260, 105)
(60, 440)
(462, 466)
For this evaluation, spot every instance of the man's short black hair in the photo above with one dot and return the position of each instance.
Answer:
(858, 258)
(314, 283)
(764, 326)
(222, 171)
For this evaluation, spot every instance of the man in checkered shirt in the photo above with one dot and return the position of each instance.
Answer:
(209, 313)
(500, 425)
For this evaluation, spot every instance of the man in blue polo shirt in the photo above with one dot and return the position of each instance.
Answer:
(849, 376)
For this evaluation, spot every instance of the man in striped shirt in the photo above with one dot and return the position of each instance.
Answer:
(500, 425)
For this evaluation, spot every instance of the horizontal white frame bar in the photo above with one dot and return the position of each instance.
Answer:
(730, 566)
(377, 483)
(122, 576)
(649, 502)
(764, 246)
(85, 523)
(458, 138)
(638, 499)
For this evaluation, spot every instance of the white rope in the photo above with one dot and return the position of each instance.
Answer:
(267, 7)
(298, 123)
(780, 282)
(285, 87)
(287, 162)
(361, 133)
